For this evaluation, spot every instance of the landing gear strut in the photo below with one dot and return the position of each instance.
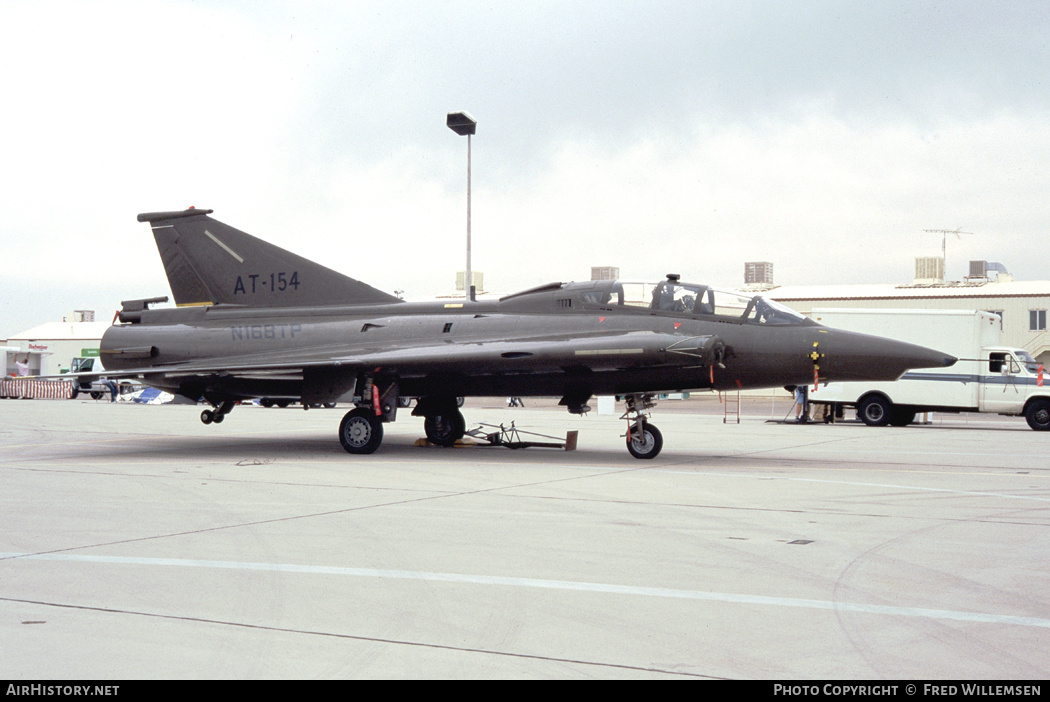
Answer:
(644, 440)
(361, 430)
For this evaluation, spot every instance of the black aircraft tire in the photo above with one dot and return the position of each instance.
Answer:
(361, 431)
(875, 411)
(445, 429)
(1038, 415)
(648, 445)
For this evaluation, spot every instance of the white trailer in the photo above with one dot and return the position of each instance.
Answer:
(988, 377)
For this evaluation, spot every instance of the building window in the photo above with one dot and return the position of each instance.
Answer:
(1037, 320)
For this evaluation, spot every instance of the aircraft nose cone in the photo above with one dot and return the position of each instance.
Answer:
(852, 356)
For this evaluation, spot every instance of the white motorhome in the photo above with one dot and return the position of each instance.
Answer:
(988, 377)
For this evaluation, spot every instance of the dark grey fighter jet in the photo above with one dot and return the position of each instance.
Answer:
(255, 321)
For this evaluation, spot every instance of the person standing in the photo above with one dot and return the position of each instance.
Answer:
(802, 403)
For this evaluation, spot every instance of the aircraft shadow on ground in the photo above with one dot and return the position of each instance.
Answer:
(323, 446)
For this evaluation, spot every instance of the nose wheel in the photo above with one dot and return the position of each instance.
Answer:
(644, 440)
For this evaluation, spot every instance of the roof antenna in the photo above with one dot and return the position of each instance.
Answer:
(944, 243)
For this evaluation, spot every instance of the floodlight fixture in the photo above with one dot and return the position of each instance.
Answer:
(461, 123)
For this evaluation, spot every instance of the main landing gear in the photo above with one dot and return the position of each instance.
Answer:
(361, 430)
(445, 429)
(443, 423)
(644, 440)
(218, 414)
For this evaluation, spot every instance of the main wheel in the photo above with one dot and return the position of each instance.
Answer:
(445, 429)
(1038, 414)
(645, 443)
(875, 411)
(361, 431)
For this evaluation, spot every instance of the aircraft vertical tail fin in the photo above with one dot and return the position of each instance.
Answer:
(210, 263)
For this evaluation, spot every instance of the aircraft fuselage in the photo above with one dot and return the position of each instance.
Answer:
(561, 346)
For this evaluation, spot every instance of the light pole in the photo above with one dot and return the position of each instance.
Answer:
(463, 124)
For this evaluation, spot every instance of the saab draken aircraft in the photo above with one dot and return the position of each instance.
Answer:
(255, 321)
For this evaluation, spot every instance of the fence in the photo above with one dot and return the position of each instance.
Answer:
(21, 388)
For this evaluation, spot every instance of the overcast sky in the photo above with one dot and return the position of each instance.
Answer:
(659, 137)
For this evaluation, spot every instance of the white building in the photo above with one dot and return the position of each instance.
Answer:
(52, 346)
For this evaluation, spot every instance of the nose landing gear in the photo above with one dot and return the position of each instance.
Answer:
(644, 440)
